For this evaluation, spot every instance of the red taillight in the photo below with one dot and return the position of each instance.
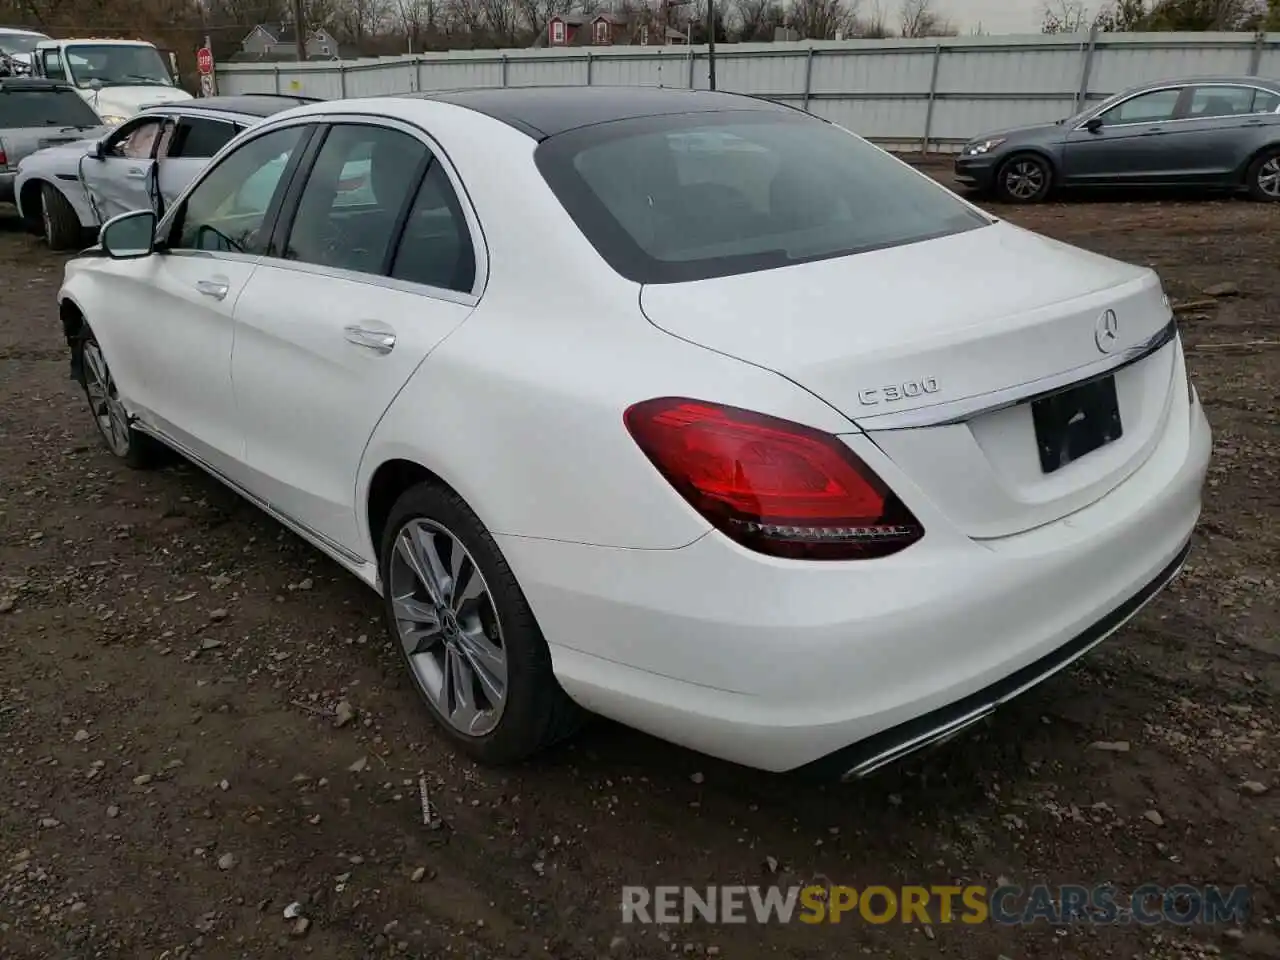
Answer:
(4, 161)
(772, 485)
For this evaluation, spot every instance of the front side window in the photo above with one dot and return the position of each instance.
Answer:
(227, 210)
(1153, 107)
(693, 196)
(136, 141)
(1220, 101)
(45, 108)
(53, 66)
(351, 205)
(116, 65)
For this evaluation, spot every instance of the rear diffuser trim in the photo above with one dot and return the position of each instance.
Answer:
(863, 758)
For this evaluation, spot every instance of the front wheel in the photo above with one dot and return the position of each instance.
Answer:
(466, 631)
(1263, 179)
(1025, 178)
(59, 221)
(109, 414)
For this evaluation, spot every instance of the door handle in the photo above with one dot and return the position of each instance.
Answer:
(136, 173)
(213, 288)
(379, 341)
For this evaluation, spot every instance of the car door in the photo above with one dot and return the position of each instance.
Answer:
(118, 178)
(377, 265)
(181, 301)
(1125, 144)
(1216, 137)
(186, 148)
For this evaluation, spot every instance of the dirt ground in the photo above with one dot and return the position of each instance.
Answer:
(175, 770)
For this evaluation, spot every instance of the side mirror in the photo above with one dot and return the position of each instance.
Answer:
(100, 150)
(129, 236)
(1094, 124)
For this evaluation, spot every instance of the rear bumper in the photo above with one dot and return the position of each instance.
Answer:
(865, 757)
(782, 665)
(6, 187)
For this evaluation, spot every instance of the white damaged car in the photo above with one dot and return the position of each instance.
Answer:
(67, 192)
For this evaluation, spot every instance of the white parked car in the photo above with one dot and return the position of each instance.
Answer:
(69, 191)
(773, 448)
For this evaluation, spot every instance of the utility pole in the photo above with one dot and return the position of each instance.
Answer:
(711, 44)
(299, 31)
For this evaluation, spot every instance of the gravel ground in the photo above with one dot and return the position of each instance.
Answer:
(201, 723)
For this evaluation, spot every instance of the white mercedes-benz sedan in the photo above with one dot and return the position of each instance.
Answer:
(689, 409)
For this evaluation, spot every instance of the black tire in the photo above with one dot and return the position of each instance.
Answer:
(1258, 180)
(537, 713)
(1024, 178)
(136, 450)
(61, 225)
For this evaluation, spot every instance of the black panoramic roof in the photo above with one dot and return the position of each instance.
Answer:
(543, 112)
(249, 104)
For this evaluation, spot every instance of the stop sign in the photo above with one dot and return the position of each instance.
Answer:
(204, 60)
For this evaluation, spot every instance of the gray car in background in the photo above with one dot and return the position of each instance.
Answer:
(1220, 132)
(35, 114)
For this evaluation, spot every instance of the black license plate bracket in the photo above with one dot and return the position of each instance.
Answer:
(1076, 421)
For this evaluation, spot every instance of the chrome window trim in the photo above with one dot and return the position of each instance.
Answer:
(370, 279)
(1181, 86)
(950, 412)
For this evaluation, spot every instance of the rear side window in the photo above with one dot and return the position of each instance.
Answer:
(45, 108)
(200, 137)
(435, 248)
(1265, 101)
(678, 198)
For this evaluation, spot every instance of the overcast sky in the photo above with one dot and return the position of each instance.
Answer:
(996, 16)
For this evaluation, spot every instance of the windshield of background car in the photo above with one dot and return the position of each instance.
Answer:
(19, 42)
(670, 199)
(118, 65)
(45, 108)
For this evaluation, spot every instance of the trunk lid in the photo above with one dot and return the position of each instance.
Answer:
(919, 345)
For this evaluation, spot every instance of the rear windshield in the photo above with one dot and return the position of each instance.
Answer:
(45, 108)
(687, 197)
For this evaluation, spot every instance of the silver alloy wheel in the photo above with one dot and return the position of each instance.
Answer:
(104, 401)
(448, 626)
(1269, 178)
(1024, 179)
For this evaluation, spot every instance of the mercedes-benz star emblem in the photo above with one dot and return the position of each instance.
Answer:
(1106, 332)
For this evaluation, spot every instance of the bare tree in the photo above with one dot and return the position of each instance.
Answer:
(757, 19)
(1065, 16)
(874, 24)
(919, 19)
(822, 19)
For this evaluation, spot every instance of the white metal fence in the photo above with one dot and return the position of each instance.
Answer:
(905, 94)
